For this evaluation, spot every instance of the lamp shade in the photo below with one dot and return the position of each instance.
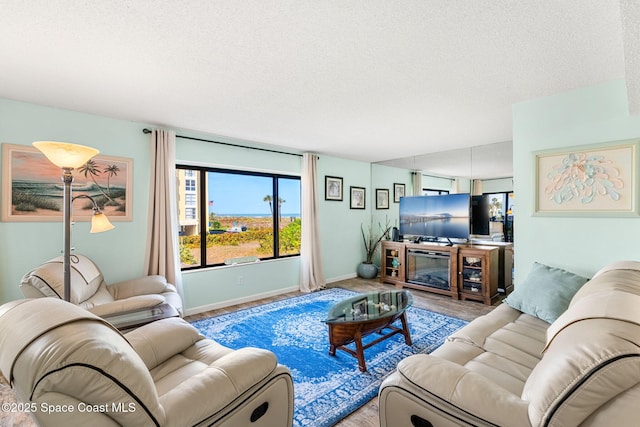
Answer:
(65, 154)
(100, 223)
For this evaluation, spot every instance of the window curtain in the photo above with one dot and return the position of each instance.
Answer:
(163, 255)
(476, 187)
(416, 183)
(312, 278)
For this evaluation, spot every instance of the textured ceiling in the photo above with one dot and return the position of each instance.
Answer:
(370, 80)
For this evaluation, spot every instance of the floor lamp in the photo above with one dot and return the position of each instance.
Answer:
(69, 157)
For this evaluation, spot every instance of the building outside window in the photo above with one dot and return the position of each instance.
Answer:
(239, 216)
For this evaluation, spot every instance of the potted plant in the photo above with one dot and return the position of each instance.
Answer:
(367, 269)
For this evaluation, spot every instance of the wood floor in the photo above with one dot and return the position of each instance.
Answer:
(367, 416)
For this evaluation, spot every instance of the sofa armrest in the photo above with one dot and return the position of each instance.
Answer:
(144, 285)
(127, 304)
(158, 341)
(225, 380)
(467, 391)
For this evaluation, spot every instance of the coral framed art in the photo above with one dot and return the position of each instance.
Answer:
(593, 180)
(32, 189)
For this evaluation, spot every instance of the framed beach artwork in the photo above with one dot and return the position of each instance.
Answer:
(32, 188)
(357, 197)
(382, 198)
(595, 180)
(398, 191)
(332, 188)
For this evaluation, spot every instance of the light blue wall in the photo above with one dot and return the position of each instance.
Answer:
(586, 116)
(218, 286)
(499, 185)
(23, 245)
(120, 253)
(437, 182)
(385, 177)
(342, 247)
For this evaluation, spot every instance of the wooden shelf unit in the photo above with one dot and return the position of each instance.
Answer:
(472, 270)
(393, 260)
(478, 273)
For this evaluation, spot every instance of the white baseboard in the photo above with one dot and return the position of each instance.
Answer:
(339, 278)
(250, 298)
(227, 303)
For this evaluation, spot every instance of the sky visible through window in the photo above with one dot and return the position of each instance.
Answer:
(237, 195)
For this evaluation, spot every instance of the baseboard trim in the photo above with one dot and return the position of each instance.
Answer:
(255, 297)
(339, 278)
(235, 301)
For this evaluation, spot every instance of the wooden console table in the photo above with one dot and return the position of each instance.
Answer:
(351, 320)
(469, 272)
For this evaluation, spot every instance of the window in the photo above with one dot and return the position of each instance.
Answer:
(501, 214)
(238, 216)
(432, 192)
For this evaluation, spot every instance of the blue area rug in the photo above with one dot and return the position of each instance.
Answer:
(326, 388)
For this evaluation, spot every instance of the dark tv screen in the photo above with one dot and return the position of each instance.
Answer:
(480, 215)
(444, 216)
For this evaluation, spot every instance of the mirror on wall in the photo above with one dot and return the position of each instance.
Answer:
(480, 170)
(481, 162)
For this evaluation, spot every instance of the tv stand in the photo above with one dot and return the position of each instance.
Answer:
(459, 271)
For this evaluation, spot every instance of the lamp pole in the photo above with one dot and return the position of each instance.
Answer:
(67, 178)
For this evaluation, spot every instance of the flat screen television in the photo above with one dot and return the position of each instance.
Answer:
(436, 217)
(480, 215)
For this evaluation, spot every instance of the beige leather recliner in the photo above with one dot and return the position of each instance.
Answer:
(511, 369)
(90, 291)
(71, 367)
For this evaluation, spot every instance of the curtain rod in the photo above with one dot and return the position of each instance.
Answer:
(229, 144)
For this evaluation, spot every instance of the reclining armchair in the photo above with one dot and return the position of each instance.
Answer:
(89, 290)
(70, 367)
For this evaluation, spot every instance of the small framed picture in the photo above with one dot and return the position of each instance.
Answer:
(357, 197)
(360, 308)
(385, 298)
(382, 198)
(398, 191)
(332, 188)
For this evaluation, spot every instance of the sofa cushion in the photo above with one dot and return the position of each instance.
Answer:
(546, 292)
(503, 346)
(48, 278)
(587, 365)
(592, 353)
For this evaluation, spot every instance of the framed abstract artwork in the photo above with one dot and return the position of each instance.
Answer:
(332, 188)
(594, 180)
(357, 198)
(32, 189)
(382, 198)
(398, 191)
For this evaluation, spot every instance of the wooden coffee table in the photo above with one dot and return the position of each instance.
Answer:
(135, 318)
(356, 317)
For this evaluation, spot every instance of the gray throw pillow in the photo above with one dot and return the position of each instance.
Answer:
(546, 292)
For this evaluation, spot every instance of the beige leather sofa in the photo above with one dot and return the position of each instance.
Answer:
(511, 369)
(90, 291)
(71, 368)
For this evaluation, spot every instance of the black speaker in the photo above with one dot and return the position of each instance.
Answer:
(395, 234)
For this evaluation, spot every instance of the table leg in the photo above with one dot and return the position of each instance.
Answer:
(405, 329)
(332, 346)
(360, 352)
